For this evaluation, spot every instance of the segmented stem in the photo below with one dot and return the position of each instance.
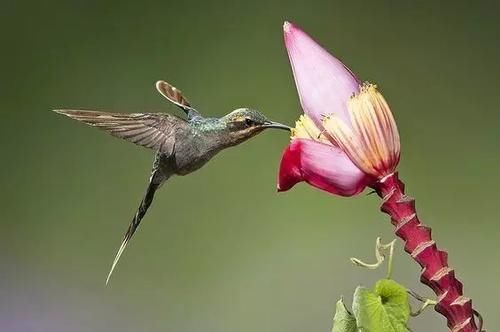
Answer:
(436, 273)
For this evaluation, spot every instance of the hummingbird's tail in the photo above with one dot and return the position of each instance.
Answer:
(153, 185)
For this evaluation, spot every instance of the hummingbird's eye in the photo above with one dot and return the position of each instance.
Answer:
(249, 122)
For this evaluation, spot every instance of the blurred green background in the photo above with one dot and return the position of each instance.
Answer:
(220, 250)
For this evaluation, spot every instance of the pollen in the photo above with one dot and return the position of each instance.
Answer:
(371, 139)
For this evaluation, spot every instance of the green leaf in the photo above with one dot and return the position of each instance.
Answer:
(396, 300)
(386, 309)
(343, 321)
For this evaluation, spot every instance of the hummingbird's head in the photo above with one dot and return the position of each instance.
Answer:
(244, 123)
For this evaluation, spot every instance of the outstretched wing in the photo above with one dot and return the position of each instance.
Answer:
(175, 96)
(151, 130)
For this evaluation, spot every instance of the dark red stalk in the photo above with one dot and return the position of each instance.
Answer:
(418, 243)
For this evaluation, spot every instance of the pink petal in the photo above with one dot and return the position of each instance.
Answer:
(321, 165)
(323, 82)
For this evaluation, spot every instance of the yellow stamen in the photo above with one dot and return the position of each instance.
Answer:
(306, 128)
(372, 140)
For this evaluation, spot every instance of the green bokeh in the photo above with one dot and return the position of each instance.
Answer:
(220, 250)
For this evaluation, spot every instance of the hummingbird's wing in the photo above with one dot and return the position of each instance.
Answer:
(151, 130)
(175, 96)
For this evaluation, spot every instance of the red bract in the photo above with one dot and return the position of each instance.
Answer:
(322, 166)
(347, 140)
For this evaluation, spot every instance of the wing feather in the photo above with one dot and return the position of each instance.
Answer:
(175, 96)
(151, 130)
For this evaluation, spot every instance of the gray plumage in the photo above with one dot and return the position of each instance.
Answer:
(181, 146)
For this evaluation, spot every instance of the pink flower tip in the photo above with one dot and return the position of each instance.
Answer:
(287, 26)
(323, 82)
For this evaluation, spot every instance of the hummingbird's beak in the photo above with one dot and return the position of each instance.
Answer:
(276, 125)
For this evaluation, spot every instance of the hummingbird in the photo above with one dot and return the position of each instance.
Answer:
(181, 146)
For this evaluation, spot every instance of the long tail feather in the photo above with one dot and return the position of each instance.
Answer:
(141, 211)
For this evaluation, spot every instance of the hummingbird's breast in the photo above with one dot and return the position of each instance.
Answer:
(193, 149)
